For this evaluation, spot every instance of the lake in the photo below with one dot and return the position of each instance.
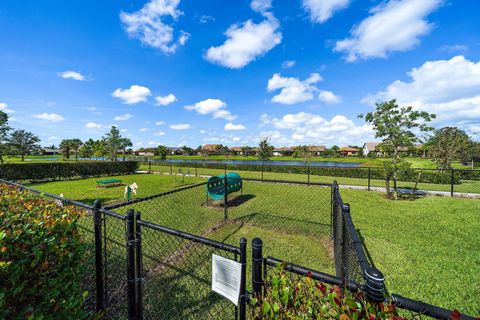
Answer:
(270, 162)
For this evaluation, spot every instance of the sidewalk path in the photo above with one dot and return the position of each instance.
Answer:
(377, 189)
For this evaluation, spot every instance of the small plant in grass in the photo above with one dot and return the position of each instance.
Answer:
(294, 297)
(42, 258)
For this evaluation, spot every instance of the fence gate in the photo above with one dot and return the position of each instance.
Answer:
(170, 274)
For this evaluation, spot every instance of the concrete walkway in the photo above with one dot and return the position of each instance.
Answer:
(345, 186)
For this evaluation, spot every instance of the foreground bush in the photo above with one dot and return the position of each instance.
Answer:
(304, 298)
(41, 258)
(65, 170)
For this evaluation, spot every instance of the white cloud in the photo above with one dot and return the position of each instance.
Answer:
(160, 133)
(246, 42)
(293, 90)
(454, 48)
(180, 126)
(261, 5)
(133, 95)
(288, 64)
(143, 129)
(203, 131)
(216, 107)
(123, 130)
(159, 123)
(93, 125)
(72, 75)
(322, 10)
(448, 88)
(395, 25)
(206, 18)
(4, 107)
(234, 127)
(148, 26)
(53, 117)
(312, 128)
(328, 97)
(52, 138)
(123, 117)
(165, 100)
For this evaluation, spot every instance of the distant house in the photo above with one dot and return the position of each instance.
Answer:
(210, 149)
(283, 151)
(50, 152)
(174, 151)
(372, 147)
(349, 151)
(317, 150)
(148, 152)
(236, 151)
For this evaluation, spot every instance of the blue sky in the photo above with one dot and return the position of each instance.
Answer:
(178, 72)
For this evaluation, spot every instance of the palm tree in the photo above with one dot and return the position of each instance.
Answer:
(65, 147)
(75, 144)
(125, 142)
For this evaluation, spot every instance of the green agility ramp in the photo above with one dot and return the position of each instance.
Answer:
(216, 185)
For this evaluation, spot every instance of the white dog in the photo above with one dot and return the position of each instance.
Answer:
(131, 188)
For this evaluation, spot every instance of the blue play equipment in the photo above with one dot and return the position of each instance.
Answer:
(216, 185)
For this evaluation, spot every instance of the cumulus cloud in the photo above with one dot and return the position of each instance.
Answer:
(165, 100)
(160, 133)
(159, 123)
(395, 25)
(293, 90)
(148, 25)
(132, 95)
(123, 117)
(234, 127)
(288, 64)
(312, 128)
(328, 97)
(72, 75)
(52, 117)
(180, 126)
(205, 18)
(5, 108)
(322, 10)
(216, 107)
(143, 129)
(246, 42)
(448, 88)
(261, 5)
(93, 125)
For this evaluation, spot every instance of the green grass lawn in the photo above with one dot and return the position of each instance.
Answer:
(86, 190)
(427, 248)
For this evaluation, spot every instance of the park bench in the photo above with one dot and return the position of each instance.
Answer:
(109, 183)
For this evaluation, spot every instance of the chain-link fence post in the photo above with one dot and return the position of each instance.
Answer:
(452, 180)
(369, 177)
(375, 285)
(99, 275)
(243, 279)
(139, 268)
(130, 243)
(257, 264)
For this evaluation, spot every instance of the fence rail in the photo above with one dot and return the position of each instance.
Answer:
(148, 270)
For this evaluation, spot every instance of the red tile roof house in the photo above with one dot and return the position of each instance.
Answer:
(349, 152)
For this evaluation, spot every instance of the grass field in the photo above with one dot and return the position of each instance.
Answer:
(468, 186)
(427, 248)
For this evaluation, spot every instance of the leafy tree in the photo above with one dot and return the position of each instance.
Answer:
(265, 149)
(86, 151)
(394, 125)
(186, 151)
(335, 150)
(247, 150)
(221, 150)
(4, 129)
(471, 153)
(125, 142)
(445, 146)
(162, 152)
(23, 142)
(303, 152)
(99, 148)
(113, 141)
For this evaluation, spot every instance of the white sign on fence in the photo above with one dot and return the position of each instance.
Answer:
(226, 277)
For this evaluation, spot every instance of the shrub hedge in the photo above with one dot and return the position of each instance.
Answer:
(65, 170)
(428, 176)
(41, 258)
